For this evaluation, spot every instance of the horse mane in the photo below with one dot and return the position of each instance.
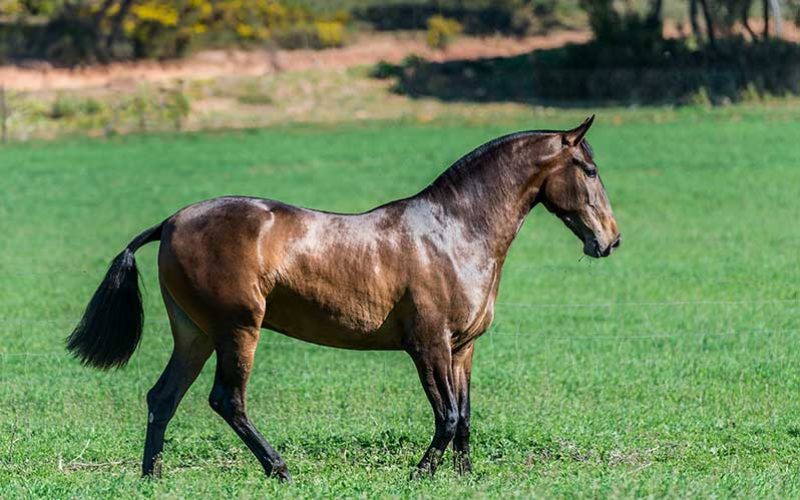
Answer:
(463, 170)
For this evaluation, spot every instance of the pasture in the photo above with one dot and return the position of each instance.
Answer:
(671, 368)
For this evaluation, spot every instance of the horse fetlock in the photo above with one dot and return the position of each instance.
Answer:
(151, 469)
(428, 465)
(423, 471)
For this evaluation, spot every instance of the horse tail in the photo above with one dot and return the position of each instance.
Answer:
(111, 327)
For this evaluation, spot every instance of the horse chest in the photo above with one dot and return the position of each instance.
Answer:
(478, 296)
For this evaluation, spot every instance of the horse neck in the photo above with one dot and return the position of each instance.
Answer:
(490, 194)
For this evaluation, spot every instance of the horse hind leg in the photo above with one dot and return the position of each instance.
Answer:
(192, 347)
(235, 354)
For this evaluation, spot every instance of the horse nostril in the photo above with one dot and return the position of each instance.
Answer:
(598, 250)
(617, 242)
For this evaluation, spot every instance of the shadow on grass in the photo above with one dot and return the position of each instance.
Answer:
(601, 74)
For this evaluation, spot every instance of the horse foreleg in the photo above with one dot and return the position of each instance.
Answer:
(235, 356)
(435, 372)
(462, 370)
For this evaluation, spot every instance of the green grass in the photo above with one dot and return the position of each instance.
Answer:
(670, 369)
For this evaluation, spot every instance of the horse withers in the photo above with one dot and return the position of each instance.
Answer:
(419, 275)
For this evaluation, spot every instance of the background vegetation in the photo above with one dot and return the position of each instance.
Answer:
(69, 32)
(668, 369)
(717, 51)
(643, 51)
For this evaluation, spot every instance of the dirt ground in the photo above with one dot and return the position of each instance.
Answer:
(363, 50)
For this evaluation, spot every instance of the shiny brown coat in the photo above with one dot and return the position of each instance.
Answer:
(419, 274)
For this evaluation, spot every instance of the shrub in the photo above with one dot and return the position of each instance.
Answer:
(139, 107)
(254, 94)
(67, 106)
(80, 31)
(478, 17)
(699, 98)
(64, 107)
(316, 35)
(177, 107)
(441, 31)
(384, 70)
(255, 99)
(91, 107)
(330, 33)
(155, 32)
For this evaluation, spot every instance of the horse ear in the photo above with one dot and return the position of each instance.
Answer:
(575, 136)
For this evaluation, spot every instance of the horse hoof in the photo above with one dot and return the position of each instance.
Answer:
(420, 473)
(282, 474)
(463, 465)
(464, 468)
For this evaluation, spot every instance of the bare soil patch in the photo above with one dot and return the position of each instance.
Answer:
(365, 49)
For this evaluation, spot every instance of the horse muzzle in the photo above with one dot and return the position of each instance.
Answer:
(593, 248)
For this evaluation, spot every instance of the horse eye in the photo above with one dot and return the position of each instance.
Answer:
(591, 172)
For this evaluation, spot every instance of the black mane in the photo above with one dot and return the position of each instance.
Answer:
(461, 169)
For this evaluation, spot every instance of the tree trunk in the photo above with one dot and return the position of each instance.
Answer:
(693, 19)
(116, 24)
(712, 37)
(775, 7)
(654, 16)
(98, 46)
(746, 21)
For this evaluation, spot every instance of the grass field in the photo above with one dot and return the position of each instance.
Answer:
(669, 369)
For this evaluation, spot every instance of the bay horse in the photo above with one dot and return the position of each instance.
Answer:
(419, 274)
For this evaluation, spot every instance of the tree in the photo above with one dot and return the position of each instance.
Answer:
(609, 24)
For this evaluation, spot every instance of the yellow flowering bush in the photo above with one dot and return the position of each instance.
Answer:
(441, 31)
(109, 29)
(330, 33)
(11, 8)
(158, 12)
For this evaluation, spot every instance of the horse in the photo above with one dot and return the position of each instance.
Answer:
(419, 275)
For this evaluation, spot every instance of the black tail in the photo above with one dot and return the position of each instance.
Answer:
(111, 326)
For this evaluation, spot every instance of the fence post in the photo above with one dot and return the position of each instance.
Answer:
(3, 114)
(181, 105)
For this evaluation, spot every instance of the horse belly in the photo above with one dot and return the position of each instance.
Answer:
(348, 326)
